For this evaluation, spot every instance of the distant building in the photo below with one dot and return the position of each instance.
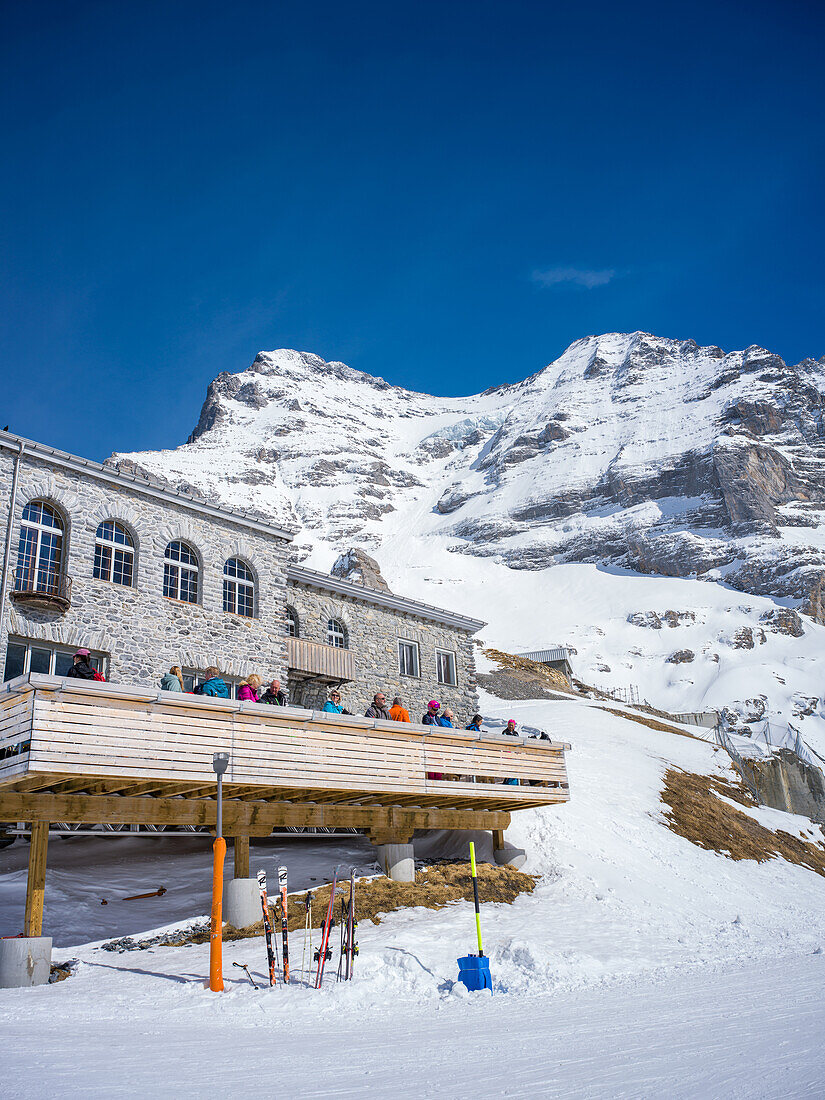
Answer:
(147, 576)
(557, 658)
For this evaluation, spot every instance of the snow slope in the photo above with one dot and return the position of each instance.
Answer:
(629, 925)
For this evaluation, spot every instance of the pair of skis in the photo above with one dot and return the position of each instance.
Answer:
(349, 948)
(282, 884)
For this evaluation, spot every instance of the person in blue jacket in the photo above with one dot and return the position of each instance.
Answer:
(333, 704)
(475, 724)
(446, 718)
(213, 685)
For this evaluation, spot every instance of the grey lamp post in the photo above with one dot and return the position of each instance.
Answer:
(220, 762)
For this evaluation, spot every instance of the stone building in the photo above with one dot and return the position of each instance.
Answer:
(147, 576)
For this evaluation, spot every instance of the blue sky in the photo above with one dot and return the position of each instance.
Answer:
(445, 194)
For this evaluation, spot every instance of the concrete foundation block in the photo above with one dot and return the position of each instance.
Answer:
(241, 902)
(397, 861)
(26, 960)
(510, 856)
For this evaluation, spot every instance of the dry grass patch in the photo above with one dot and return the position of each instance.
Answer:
(651, 723)
(434, 887)
(705, 820)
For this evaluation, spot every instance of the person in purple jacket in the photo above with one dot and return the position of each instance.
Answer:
(250, 688)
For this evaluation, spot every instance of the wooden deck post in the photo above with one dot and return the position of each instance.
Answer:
(498, 839)
(36, 885)
(241, 857)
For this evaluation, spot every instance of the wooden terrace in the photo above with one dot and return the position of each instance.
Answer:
(97, 753)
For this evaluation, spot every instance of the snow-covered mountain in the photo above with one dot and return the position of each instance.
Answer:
(635, 454)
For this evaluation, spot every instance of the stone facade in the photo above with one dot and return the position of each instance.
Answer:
(141, 632)
(373, 633)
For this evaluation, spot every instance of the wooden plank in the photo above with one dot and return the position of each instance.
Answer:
(241, 856)
(36, 882)
(246, 818)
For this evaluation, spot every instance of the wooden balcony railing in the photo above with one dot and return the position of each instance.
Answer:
(327, 662)
(42, 588)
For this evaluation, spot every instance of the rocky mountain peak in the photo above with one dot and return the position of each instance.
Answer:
(632, 450)
(357, 566)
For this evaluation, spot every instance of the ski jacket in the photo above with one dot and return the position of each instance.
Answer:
(377, 712)
(333, 708)
(246, 692)
(81, 671)
(399, 714)
(272, 699)
(472, 726)
(170, 682)
(442, 721)
(215, 687)
(430, 720)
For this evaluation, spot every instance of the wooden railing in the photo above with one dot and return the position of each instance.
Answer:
(316, 659)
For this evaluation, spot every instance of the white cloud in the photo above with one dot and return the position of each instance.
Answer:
(555, 276)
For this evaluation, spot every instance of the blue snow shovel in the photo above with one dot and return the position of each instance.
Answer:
(474, 970)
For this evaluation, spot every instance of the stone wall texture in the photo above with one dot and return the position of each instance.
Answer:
(143, 632)
(373, 636)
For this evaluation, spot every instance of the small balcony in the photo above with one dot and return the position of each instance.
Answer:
(42, 589)
(322, 662)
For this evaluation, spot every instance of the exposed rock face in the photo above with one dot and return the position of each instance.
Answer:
(681, 657)
(629, 450)
(356, 565)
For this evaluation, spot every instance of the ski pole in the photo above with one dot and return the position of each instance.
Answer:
(243, 966)
(475, 897)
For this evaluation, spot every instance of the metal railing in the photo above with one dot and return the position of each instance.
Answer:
(46, 584)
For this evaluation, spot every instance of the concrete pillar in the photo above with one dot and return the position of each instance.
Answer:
(507, 854)
(241, 847)
(397, 861)
(25, 961)
(242, 902)
(36, 884)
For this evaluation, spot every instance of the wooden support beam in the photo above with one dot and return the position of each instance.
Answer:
(498, 839)
(241, 857)
(240, 818)
(36, 885)
(390, 836)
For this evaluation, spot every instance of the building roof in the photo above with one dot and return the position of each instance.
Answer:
(141, 483)
(542, 656)
(299, 574)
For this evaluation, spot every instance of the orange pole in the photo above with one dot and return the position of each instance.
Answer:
(216, 929)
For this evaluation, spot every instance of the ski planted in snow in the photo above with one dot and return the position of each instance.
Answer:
(325, 951)
(267, 926)
(352, 946)
(284, 920)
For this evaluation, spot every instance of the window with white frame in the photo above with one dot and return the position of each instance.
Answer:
(114, 554)
(24, 656)
(293, 628)
(337, 634)
(408, 658)
(445, 667)
(40, 551)
(238, 588)
(180, 573)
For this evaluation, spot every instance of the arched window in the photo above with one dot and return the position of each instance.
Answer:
(292, 626)
(336, 634)
(180, 573)
(40, 551)
(114, 554)
(238, 588)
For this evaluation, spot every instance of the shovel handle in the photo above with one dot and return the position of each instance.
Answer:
(475, 897)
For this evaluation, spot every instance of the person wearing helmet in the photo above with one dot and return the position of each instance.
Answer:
(82, 667)
(510, 728)
(431, 717)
